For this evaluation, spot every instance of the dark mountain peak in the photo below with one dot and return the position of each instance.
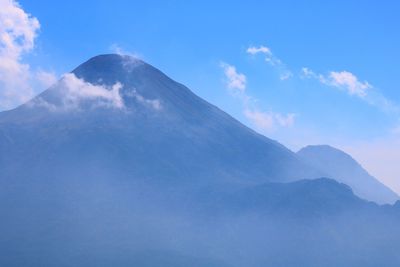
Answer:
(110, 58)
(117, 82)
(109, 68)
(107, 59)
(129, 70)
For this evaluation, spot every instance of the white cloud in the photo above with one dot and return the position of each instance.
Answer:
(153, 103)
(310, 74)
(261, 49)
(269, 121)
(285, 75)
(235, 80)
(77, 90)
(342, 80)
(117, 49)
(18, 31)
(307, 73)
(263, 121)
(75, 93)
(17, 34)
(271, 59)
(285, 120)
(131, 59)
(46, 79)
(350, 82)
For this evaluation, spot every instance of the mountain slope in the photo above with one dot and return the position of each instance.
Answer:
(342, 167)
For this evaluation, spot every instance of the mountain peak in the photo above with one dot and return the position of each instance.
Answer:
(331, 152)
(117, 81)
(113, 57)
(116, 62)
(108, 68)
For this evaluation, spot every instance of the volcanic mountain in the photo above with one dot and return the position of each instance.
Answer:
(118, 116)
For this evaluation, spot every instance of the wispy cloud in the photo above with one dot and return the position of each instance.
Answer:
(131, 59)
(234, 80)
(261, 49)
(270, 58)
(285, 75)
(18, 31)
(268, 121)
(350, 82)
(119, 50)
(264, 121)
(352, 85)
(344, 80)
(152, 103)
(45, 78)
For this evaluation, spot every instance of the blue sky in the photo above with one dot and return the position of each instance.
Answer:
(300, 72)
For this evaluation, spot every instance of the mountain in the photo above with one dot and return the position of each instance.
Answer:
(118, 165)
(342, 167)
(127, 119)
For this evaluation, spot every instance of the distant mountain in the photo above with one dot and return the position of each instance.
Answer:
(118, 165)
(342, 167)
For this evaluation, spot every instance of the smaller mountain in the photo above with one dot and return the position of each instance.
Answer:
(343, 168)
